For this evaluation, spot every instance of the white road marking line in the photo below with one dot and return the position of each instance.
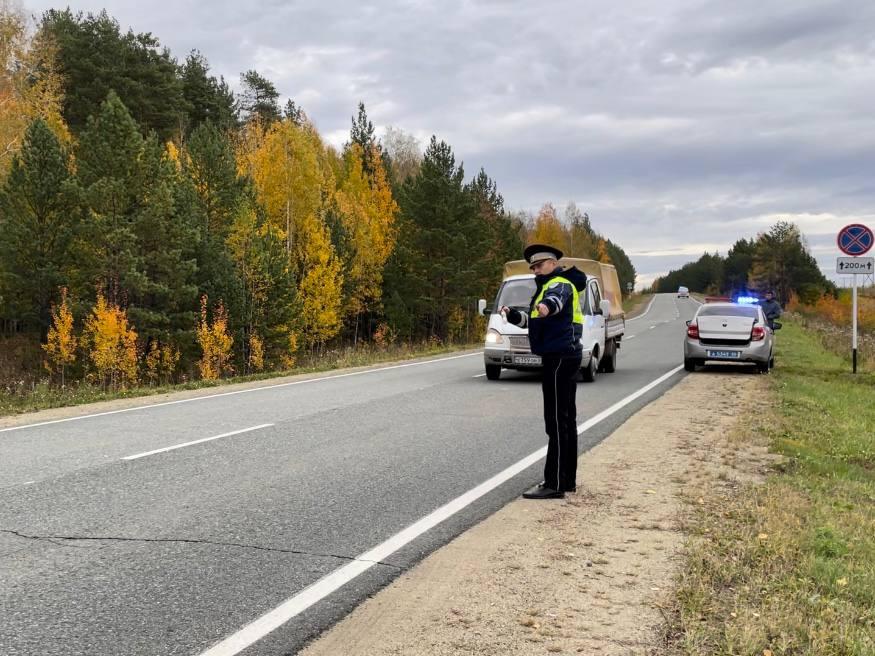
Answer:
(297, 604)
(478, 376)
(245, 391)
(206, 439)
(28, 482)
(650, 305)
(652, 327)
(626, 337)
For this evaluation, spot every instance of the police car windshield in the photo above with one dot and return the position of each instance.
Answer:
(516, 293)
(749, 311)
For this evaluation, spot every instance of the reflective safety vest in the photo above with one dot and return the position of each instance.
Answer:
(577, 316)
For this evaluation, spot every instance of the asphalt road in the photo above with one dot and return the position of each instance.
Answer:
(176, 551)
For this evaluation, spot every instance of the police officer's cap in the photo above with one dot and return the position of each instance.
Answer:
(535, 253)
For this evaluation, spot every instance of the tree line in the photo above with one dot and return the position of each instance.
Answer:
(776, 260)
(154, 224)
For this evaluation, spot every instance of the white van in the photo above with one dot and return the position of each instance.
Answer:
(604, 322)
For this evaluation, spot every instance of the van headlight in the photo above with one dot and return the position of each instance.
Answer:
(494, 337)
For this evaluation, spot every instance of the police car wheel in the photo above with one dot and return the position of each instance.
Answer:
(493, 371)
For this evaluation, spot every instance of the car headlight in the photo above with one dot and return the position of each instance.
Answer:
(494, 337)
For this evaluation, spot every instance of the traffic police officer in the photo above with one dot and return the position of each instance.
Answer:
(555, 324)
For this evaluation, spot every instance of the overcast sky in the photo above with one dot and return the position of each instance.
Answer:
(679, 125)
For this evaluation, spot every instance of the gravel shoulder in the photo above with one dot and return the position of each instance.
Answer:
(590, 574)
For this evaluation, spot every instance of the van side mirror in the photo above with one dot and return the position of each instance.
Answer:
(689, 321)
(605, 307)
(481, 306)
(776, 325)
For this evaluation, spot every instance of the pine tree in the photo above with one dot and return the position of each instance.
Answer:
(109, 171)
(503, 241)
(442, 242)
(38, 219)
(95, 57)
(162, 299)
(207, 99)
(212, 168)
(258, 99)
(581, 238)
(362, 135)
(295, 113)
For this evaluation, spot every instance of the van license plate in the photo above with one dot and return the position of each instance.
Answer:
(532, 360)
(724, 355)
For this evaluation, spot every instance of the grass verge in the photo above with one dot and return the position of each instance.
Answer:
(788, 567)
(31, 398)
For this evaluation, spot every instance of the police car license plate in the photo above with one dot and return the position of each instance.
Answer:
(527, 359)
(724, 355)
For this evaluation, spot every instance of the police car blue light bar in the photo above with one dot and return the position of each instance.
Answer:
(747, 300)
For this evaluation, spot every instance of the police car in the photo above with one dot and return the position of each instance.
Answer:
(725, 331)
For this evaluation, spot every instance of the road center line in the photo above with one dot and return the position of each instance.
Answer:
(243, 391)
(205, 439)
(297, 604)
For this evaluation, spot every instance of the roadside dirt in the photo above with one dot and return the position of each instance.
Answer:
(585, 575)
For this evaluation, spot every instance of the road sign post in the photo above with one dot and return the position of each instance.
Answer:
(855, 240)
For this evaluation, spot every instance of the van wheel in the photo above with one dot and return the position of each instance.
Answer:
(493, 371)
(589, 371)
(608, 363)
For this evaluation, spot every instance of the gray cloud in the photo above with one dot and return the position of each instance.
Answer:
(678, 126)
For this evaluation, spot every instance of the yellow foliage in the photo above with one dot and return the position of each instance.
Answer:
(290, 357)
(61, 345)
(112, 345)
(215, 342)
(603, 252)
(30, 86)
(169, 360)
(368, 213)
(153, 362)
(172, 154)
(293, 181)
(548, 229)
(161, 361)
(456, 324)
(838, 310)
(256, 353)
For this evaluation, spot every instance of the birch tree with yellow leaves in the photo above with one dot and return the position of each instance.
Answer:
(293, 185)
(367, 214)
(30, 86)
(548, 229)
(111, 344)
(60, 346)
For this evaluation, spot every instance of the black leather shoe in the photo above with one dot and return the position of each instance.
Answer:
(543, 493)
(573, 489)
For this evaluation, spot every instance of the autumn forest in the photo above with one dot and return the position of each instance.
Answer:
(158, 226)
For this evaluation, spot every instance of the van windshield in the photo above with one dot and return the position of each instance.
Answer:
(516, 293)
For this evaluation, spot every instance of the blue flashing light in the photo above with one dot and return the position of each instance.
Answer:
(747, 300)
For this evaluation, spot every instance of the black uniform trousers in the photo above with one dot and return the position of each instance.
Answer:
(559, 385)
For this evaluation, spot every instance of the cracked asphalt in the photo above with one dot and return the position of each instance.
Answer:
(170, 553)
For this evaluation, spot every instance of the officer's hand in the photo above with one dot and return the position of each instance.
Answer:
(543, 310)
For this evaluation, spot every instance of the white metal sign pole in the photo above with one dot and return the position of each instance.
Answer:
(854, 326)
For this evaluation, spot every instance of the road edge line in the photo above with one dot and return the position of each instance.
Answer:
(315, 592)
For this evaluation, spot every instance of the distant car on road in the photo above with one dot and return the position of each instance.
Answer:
(683, 292)
(729, 332)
